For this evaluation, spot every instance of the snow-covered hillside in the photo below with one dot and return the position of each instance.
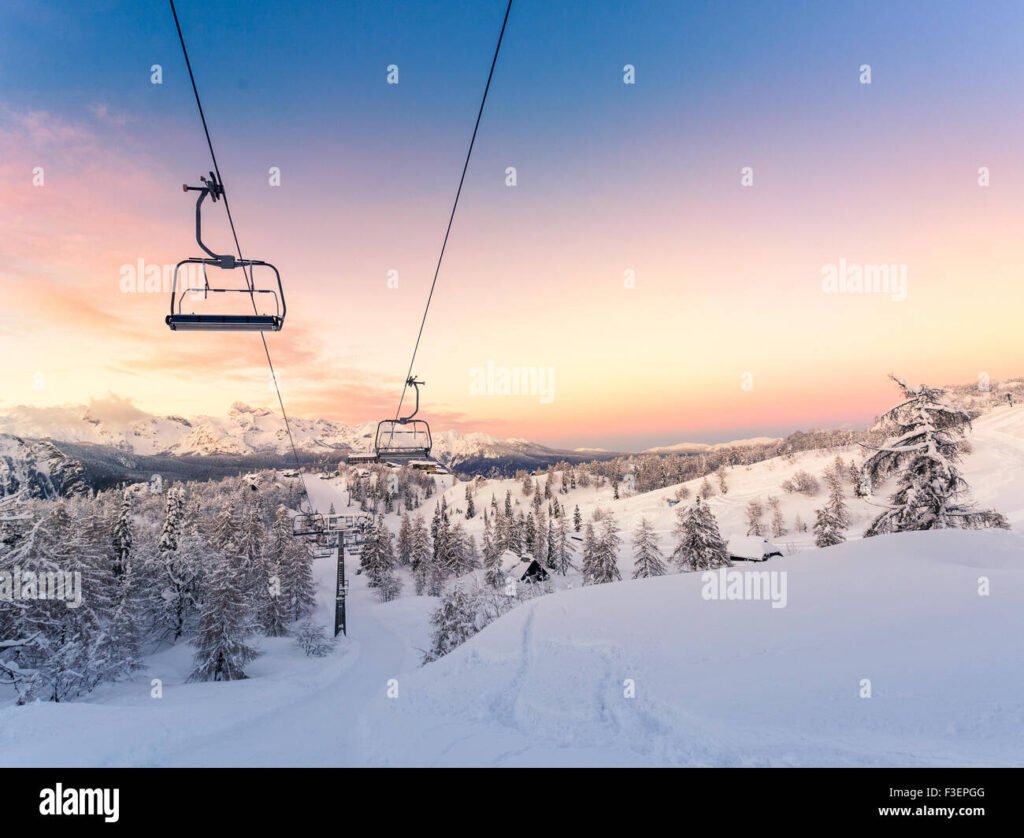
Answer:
(649, 672)
(645, 672)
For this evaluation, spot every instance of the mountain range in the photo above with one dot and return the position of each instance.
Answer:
(53, 451)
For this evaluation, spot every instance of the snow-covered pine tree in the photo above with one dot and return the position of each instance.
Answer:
(454, 622)
(700, 545)
(647, 555)
(377, 560)
(836, 496)
(604, 553)
(828, 531)
(516, 533)
(421, 557)
(122, 536)
(404, 551)
(538, 499)
(577, 518)
(173, 579)
(470, 503)
(564, 547)
(723, 486)
(541, 535)
(252, 533)
(502, 531)
(275, 615)
(550, 553)
(122, 647)
(755, 516)
(292, 564)
(73, 653)
(493, 576)
(530, 536)
(472, 553)
(458, 551)
(589, 550)
(925, 446)
(224, 623)
(778, 522)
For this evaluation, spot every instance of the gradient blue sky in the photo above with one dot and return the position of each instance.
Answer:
(611, 177)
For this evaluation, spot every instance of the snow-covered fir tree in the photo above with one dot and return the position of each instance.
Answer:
(177, 566)
(225, 623)
(828, 531)
(699, 542)
(71, 654)
(706, 490)
(924, 450)
(453, 623)
(600, 563)
(377, 560)
(122, 537)
(404, 546)
(493, 576)
(551, 548)
(421, 557)
(755, 517)
(832, 520)
(564, 547)
(647, 560)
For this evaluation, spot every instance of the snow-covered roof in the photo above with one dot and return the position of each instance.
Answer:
(751, 547)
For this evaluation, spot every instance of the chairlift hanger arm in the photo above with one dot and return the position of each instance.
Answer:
(415, 383)
(212, 187)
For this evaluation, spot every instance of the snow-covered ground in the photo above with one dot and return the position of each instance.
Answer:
(632, 673)
(648, 672)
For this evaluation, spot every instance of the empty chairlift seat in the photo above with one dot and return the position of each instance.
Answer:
(263, 292)
(404, 438)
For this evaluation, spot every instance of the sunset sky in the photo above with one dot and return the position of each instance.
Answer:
(611, 178)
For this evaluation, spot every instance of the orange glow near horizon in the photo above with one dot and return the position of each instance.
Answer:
(727, 288)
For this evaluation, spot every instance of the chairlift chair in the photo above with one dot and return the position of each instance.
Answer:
(325, 545)
(258, 321)
(404, 438)
(308, 524)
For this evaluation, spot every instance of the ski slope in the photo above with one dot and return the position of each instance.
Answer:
(740, 683)
(716, 682)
